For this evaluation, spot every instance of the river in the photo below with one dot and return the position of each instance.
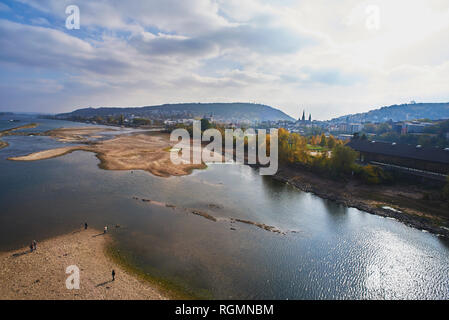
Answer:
(326, 251)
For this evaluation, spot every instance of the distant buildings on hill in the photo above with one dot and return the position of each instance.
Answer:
(346, 128)
(411, 127)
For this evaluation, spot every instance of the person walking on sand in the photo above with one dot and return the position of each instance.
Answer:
(85, 225)
(113, 275)
(105, 229)
(34, 244)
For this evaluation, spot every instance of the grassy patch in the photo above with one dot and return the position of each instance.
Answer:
(316, 148)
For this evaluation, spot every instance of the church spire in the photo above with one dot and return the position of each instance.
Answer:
(303, 115)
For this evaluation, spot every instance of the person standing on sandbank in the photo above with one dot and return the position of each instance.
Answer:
(105, 229)
(35, 245)
(31, 247)
(113, 275)
(85, 225)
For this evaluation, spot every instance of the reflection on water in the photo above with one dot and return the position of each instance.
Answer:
(335, 252)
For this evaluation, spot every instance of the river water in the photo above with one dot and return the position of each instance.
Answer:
(326, 251)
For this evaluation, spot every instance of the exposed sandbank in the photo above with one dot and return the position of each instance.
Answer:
(41, 274)
(3, 144)
(146, 152)
(213, 218)
(9, 132)
(46, 154)
(77, 135)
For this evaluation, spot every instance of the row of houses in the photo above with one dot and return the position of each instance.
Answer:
(344, 127)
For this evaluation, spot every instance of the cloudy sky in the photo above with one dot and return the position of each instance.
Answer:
(330, 57)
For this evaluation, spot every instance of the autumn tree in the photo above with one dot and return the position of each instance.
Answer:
(342, 160)
(331, 142)
(205, 124)
(323, 140)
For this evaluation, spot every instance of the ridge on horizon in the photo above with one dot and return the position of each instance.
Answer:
(400, 112)
(221, 110)
(396, 112)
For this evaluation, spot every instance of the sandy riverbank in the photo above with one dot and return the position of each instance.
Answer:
(144, 151)
(41, 274)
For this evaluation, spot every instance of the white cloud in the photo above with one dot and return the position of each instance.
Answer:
(287, 54)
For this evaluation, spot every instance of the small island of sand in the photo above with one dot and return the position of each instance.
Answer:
(12, 131)
(41, 274)
(77, 134)
(3, 144)
(143, 151)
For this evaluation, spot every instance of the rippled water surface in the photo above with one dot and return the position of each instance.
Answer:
(328, 251)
